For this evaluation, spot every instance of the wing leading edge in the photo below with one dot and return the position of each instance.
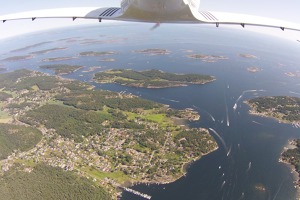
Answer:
(211, 17)
(80, 12)
(115, 13)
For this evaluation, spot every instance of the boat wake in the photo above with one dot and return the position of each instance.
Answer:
(249, 167)
(221, 139)
(243, 93)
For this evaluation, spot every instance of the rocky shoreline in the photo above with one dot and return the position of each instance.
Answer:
(292, 144)
(290, 154)
(253, 111)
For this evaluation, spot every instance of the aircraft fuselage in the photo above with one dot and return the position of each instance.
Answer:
(157, 10)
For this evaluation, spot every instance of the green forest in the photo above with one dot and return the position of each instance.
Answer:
(45, 182)
(15, 137)
(8, 79)
(96, 100)
(4, 96)
(27, 79)
(67, 121)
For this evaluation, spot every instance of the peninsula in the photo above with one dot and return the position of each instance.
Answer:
(150, 78)
(88, 140)
(62, 69)
(91, 69)
(283, 108)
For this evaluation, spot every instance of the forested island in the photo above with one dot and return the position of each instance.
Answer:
(18, 58)
(253, 69)
(64, 138)
(150, 78)
(30, 47)
(283, 108)
(48, 50)
(57, 59)
(207, 58)
(293, 74)
(94, 53)
(107, 60)
(61, 69)
(248, 56)
(153, 52)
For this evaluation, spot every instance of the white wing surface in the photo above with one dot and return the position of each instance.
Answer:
(218, 18)
(80, 12)
(190, 14)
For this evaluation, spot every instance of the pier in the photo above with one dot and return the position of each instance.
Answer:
(146, 196)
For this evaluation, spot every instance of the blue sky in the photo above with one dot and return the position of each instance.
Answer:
(286, 10)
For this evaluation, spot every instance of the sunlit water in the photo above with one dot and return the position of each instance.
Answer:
(250, 146)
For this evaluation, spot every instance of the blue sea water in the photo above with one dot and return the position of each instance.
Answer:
(250, 146)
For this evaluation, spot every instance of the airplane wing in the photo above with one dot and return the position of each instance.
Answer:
(218, 18)
(115, 13)
(73, 13)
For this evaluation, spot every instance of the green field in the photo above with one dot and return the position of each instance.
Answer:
(119, 176)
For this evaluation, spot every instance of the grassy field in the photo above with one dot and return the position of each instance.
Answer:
(4, 117)
(119, 176)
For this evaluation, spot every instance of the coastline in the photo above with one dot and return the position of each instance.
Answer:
(179, 84)
(296, 175)
(72, 71)
(291, 144)
(164, 181)
(184, 167)
(252, 111)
